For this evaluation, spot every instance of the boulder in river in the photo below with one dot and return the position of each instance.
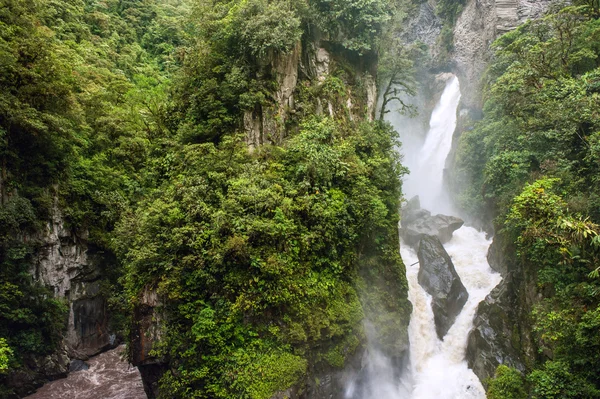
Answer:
(440, 280)
(418, 222)
(78, 365)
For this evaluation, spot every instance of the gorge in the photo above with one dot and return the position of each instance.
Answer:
(221, 186)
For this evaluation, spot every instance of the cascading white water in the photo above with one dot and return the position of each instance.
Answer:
(437, 369)
(427, 169)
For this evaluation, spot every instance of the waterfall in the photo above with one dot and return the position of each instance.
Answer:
(427, 168)
(437, 369)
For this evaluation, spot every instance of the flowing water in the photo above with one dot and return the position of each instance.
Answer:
(437, 368)
(109, 377)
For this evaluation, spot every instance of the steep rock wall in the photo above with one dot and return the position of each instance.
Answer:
(308, 64)
(502, 331)
(480, 23)
(74, 270)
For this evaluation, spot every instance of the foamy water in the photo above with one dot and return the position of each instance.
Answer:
(427, 170)
(437, 369)
(109, 377)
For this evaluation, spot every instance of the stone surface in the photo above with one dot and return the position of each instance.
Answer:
(38, 370)
(417, 223)
(480, 23)
(73, 270)
(78, 365)
(440, 280)
(67, 265)
(502, 328)
(145, 332)
(494, 339)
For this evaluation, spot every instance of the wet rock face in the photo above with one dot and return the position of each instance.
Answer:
(480, 23)
(440, 280)
(494, 339)
(38, 370)
(418, 223)
(145, 333)
(502, 328)
(73, 270)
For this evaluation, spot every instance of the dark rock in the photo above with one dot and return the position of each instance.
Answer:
(78, 365)
(145, 332)
(495, 337)
(502, 328)
(151, 375)
(439, 278)
(36, 371)
(418, 222)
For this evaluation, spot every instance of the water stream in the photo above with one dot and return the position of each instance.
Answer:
(437, 368)
(109, 377)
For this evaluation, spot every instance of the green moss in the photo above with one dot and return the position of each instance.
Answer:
(269, 374)
(508, 383)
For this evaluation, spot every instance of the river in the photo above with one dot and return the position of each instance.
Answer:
(108, 377)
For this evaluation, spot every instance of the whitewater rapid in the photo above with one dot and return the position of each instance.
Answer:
(437, 368)
(108, 377)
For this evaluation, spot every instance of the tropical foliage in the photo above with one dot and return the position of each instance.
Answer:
(124, 117)
(533, 163)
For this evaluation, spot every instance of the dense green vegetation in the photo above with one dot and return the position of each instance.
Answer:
(533, 162)
(266, 261)
(257, 255)
(125, 118)
(82, 87)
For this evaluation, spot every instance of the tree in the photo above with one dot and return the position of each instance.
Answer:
(5, 355)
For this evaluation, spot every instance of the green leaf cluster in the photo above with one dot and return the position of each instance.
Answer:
(258, 256)
(532, 162)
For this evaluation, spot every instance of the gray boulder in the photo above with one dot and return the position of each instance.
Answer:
(78, 365)
(418, 222)
(440, 280)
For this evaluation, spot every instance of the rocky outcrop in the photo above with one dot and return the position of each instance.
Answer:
(66, 264)
(74, 270)
(440, 280)
(494, 339)
(309, 64)
(266, 123)
(502, 328)
(38, 370)
(480, 23)
(144, 334)
(417, 223)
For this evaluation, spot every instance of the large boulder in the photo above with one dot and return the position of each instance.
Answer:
(440, 280)
(495, 337)
(418, 223)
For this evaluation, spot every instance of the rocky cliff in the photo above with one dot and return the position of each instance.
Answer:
(75, 271)
(317, 77)
(479, 24)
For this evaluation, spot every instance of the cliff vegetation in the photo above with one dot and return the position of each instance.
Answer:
(129, 120)
(533, 163)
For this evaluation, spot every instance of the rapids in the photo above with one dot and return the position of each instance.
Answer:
(109, 377)
(437, 368)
